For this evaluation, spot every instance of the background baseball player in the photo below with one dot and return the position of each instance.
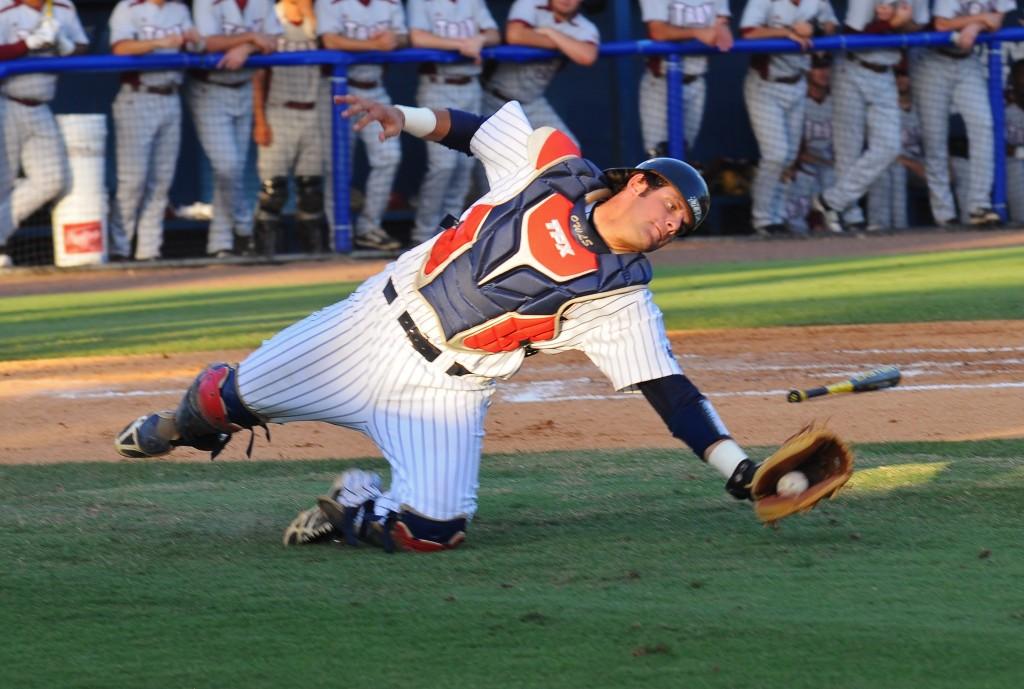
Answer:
(775, 94)
(675, 20)
(43, 37)
(557, 246)
(466, 26)
(1015, 143)
(147, 123)
(558, 25)
(286, 128)
(814, 167)
(866, 107)
(955, 75)
(221, 105)
(32, 142)
(887, 197)
(361, 26)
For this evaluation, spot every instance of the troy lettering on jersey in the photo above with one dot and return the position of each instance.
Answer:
(501, 279)
(148, 32)
(230, 28)
(363, 32)
(466, 28)
(817, 130)
(682, 14)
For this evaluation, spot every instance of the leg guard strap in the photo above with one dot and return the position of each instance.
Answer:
(212, 409)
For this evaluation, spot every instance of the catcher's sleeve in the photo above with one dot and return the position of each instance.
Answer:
(689, 415)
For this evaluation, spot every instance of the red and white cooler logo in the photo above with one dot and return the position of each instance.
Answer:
(83, 237)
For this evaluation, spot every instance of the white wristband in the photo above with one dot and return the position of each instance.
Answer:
(954, 37)
(418, 121)
(726, 456)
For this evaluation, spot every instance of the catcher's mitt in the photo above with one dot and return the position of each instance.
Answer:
(309, 526)
(816, 451)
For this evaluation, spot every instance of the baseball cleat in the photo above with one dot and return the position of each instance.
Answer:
(309, 526)
(984, 217)
(140, 438)
(832, 220)
(376, 238)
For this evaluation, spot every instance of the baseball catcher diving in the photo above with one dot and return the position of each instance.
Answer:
(550, 259)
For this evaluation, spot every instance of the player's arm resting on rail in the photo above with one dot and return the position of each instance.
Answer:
(708, 35)
(224, 42)
(581, 52)
(800, 32)
(692, 418)
(419, 38)
(137, 47)
(383, 41)
(985, 22)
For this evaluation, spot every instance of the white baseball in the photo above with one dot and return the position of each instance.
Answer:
(793, 483)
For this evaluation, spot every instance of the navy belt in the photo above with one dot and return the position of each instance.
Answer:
(419, 342)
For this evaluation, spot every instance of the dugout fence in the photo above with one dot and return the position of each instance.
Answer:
(992, 45)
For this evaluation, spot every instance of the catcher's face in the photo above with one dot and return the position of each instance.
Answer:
(654, 217)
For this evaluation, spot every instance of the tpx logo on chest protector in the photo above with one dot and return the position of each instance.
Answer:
(561, 241)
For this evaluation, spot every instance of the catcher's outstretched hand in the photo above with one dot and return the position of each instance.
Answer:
(367, 111)
(817, 452)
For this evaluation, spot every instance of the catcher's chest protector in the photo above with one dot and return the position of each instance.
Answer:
(501, 278)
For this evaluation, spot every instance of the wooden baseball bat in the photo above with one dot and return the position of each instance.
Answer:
(48, 8)
(879, 379)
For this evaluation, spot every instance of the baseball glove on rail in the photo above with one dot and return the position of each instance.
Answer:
(820, 454)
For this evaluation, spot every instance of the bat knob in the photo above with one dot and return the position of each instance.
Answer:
(796, 396)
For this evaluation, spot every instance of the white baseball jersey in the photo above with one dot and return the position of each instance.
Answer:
(294, 84)
(17, 21)
(779, 14)
(139, 20)
(452, 19)
(526, 81)
(227, 18)
(951, 9)
(360, 369)
(693, 14)
(360, 21)
(817, 137)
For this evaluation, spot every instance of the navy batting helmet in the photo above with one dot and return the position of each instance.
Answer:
(687, 181)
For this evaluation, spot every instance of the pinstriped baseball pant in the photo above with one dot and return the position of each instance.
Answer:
(654, 109)
(223, 121)
(383, 158)
(148, 128)
(446, 181)
(352, 365)
(35, 146)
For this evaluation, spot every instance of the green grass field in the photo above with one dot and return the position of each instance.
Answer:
(955, 285)
(583, 570)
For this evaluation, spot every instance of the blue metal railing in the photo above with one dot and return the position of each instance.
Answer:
(340, 63)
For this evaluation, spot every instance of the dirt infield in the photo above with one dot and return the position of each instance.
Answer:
(962, 381)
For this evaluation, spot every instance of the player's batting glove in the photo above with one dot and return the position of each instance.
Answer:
(44, 36)
(815, 451)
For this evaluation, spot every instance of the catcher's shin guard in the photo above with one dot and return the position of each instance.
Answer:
(413, 531)
(212, 410)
